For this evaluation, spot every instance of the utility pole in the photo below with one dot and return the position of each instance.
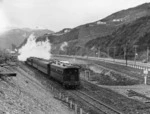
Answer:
(147, 54)
(99, 52)
(124, 49)
(135, 53)
(108, 51)
(75, 53)
(86, 52)
(126, 56)
(114, 52)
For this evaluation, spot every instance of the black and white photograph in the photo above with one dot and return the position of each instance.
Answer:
(74, 56)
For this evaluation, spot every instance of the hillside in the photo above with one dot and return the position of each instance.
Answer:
(129, 15)
(77, 37)
(130, 26)
(127, 36)
(14, 37)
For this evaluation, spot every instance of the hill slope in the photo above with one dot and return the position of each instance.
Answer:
(127, 36)
(14, 37)
(115, 30)
(79, 36)
(129, 15)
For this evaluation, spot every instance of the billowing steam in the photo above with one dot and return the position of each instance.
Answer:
(35, 49)
(63, 45)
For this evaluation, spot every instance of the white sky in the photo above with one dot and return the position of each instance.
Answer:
(58, 14)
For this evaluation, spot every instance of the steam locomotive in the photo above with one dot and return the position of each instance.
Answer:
(66, 74)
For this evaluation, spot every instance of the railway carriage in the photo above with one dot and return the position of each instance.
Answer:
(29, 61)
(35, 62)
(66, 74)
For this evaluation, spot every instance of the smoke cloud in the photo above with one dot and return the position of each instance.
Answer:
(35, 49)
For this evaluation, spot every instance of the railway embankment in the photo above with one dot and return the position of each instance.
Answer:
(32, 91)
(20, 95)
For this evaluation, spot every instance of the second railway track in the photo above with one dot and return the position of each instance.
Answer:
(94, 99)
(98, 105)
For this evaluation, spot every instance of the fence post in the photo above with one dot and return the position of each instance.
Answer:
(85, 74)
(145, 79)
(89, 74)
(76, 108)
(67, 99)
(145, 71)
(71, 104)
(60, 95)
(81, 111)
(52, 88)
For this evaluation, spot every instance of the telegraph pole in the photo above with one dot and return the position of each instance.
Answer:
(114, 53)
(99, 52)
(135, 54)
(126, 56)
(124, 49)
(147, 54)
(87, 52)
(108, 51)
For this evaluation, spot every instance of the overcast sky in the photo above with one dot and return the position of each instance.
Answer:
(58, 14)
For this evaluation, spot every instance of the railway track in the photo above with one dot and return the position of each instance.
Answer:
(90, 100)
(118, 102)
(114, 61)
(98, 105)
(121, 69)
(128, 72)
(95, 104)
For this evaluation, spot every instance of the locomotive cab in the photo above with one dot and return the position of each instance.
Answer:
(71, 77)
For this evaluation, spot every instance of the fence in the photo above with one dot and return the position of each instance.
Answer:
(65, 99)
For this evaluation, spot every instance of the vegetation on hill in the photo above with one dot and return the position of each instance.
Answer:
(129, 15)
(113, 33)
(127, 36)
(116, 35)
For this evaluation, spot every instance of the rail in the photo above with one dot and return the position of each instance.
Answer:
(104, 108)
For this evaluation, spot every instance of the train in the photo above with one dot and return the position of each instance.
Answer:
(66, 74)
